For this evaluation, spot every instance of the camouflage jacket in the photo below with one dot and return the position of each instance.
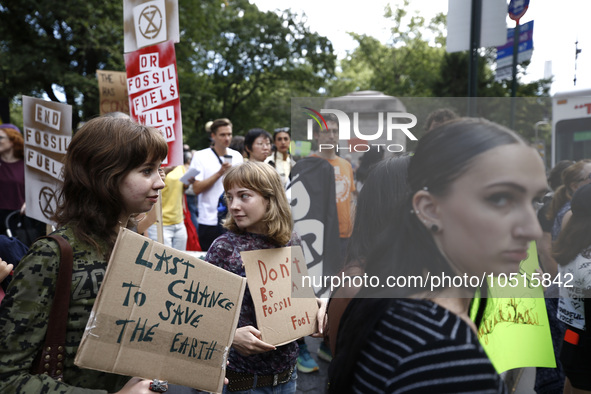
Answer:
(25, 311)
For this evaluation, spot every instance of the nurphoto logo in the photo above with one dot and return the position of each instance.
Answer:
(392, 125)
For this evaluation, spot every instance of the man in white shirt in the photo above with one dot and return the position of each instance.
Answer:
(212, 163)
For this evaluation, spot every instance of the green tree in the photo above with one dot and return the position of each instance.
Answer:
(50, 49)
(408, 65)
(415, 64)
(233, 60)
(247, 66)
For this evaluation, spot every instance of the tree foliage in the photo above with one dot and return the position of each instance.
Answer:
(233, 60)
(248, 65)
(414, 63)
(48, 47)
(408, 65)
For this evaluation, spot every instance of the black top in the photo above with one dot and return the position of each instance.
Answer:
(418, 346)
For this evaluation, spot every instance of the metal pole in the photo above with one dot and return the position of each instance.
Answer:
(515, 58)
(536, 127)
(475, 24)
(536, 141)
(514, 71)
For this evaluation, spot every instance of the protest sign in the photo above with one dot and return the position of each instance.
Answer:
(314, 211)
(47, 133)
(162, 314)
(515, 332)
(148, 23)
(113, 91)
(153, 88)
(284, 309)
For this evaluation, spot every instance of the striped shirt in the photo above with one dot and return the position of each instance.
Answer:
(419, 346)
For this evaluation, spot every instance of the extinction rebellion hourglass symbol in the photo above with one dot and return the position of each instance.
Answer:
(150, 22)
(47, 202)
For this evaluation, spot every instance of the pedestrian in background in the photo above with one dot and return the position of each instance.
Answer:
(257, 144)
(281, 159)
(572, 251)
(385, 187)
(212, 163)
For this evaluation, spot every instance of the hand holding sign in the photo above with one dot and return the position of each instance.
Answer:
(285, 311)
(164, 314)
(247, 341)
(321, 318)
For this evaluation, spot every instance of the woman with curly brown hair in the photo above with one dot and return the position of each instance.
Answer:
(110, 175)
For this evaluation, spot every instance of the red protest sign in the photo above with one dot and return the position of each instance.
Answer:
(154, 100)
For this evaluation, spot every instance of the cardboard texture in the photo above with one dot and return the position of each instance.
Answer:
(148, 23)
(285, 310)
(47, 132)
(162, 314)
(112, 91)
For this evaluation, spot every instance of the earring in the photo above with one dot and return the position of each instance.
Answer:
(434, 228)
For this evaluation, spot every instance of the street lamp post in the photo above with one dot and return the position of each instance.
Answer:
(540, 146)
(536, 127)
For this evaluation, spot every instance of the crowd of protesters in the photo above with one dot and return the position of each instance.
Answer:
(467, 201)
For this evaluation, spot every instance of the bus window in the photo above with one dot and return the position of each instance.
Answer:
(573, 139)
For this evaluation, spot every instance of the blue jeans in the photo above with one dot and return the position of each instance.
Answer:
(284, 388)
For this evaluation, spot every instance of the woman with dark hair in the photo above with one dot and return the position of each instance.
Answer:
(366, 163)
(238, 144)
(551, 380)
(110, 175)
(385, 186)
(573, 177)
(257, 144)
(572, 251)
(469, 212)
(281, 158)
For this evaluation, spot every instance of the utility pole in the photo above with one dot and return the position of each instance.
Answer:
(475, 26)
(577, 51)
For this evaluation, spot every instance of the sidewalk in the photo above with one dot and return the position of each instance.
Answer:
(314, 382)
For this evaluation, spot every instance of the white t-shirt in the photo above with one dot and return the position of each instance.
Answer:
(208, 164)
(571, 307)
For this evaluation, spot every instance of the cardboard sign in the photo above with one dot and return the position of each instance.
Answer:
(113, 91)
(285, 311)
(153, 88)
(47, 133)
(148, 23)
(162, 314)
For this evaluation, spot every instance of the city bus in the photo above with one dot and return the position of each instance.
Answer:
(571, 125)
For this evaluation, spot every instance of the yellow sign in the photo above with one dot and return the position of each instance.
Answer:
(515, 332)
